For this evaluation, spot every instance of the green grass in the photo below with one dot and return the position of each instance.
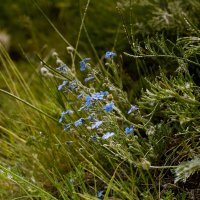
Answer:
(158, 160)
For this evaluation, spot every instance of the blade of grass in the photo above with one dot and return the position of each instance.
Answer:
(28, 104)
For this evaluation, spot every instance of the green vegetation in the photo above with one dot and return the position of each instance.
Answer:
(112, 113)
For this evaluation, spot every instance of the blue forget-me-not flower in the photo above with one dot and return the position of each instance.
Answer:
(62, 85)
(62, 68)
(100, 194)
(133, 108)
(73, 85)
(92, 117)
(107, 135)
(79, 122)
(80, 95)
(67, 112)
(88, 100)
(99, 95)
(108, 107)
(89, 78)
(95, 96)
(96, 124)
(83, 64)
(129, 129)
(109, 55)
(87, 105)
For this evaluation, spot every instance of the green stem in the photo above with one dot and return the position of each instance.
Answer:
(28, 104)
(162, 167)
(166, 56)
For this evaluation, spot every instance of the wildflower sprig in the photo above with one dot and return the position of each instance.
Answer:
(100, 116)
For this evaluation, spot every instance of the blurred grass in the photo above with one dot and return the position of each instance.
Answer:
(108, 24)
(24, 22)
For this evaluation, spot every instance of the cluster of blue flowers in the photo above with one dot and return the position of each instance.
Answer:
(95, 108)
(91, 102)
(90, 99)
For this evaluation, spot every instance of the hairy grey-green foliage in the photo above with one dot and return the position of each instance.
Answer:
(186, 169)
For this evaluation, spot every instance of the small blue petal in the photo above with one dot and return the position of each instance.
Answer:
(62, 68)
(86, 59)
(91, 118)
(62, 117)
(72, 85)
(96, 124)
(100, 194)
(81, 108)
(60, 120)
(97, 96)
(133, 108)
(79, 122)
(69, 112)
(129, 130)
(109, 55)
(83, 64)
(62, 85)
(107, 135)
(88, 100)
(89, 78)
(80, 95)
(108, 107)
(105, 93)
